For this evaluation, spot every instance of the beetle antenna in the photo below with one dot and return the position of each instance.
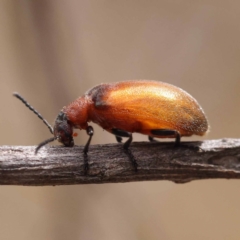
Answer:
(44, 143)
(33, 110)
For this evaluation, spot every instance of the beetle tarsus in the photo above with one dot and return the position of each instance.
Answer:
(128, 142)
(86, 165)
(131, 158)
(129, 152)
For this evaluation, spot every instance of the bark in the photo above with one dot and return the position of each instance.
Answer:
(111, 164)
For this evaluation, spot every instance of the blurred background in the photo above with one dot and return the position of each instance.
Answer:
(53, 51)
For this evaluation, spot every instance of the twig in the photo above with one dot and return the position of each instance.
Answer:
(109, 163)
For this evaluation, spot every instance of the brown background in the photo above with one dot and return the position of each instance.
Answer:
(53, 51)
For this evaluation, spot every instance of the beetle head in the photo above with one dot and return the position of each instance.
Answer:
(63, 130)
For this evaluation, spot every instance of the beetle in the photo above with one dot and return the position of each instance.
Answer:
(153, 108)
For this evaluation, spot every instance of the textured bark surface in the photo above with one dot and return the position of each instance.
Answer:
(109, 163)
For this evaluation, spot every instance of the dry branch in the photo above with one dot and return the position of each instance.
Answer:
(109, 163)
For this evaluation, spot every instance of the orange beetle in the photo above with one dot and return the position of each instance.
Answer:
(153, 108)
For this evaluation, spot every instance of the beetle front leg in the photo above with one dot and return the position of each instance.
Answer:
(90, 132)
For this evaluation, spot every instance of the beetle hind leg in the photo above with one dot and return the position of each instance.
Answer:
(167, 132)
(151, 139)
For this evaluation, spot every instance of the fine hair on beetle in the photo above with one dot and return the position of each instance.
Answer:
(152, 108)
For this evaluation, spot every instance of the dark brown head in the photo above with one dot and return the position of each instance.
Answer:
(63, 130)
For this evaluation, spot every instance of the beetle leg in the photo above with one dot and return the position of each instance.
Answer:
(121, 133)
(90, 132)
(119, 139)
(151, 139)
(168, 132)
(129, 152)
(128, 142)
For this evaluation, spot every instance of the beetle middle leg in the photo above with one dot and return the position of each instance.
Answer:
(119, 139)
(121, 133)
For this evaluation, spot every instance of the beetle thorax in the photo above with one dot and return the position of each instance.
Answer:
(77, 112)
